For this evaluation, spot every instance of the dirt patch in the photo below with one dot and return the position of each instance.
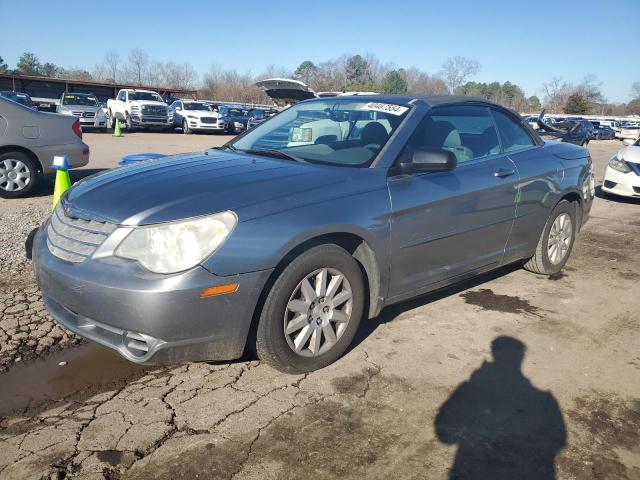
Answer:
(488, 300)
(629, 275)
(605, 423)
(349, 437)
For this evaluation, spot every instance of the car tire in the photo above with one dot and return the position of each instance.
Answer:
(111, 124)
(556, 242)
(294, 342)
(18, 174)
(128, 123)
(185, 128)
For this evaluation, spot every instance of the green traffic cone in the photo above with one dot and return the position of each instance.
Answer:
(63, 180)
(116, 131)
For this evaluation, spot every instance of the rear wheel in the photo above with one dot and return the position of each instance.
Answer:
(18, 174)
(312, 312)
(556, 242)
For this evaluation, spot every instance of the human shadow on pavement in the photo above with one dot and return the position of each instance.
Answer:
(504, 427)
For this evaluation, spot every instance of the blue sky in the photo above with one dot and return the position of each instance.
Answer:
(526, 42)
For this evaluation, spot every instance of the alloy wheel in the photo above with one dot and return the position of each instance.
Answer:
(318, 312)
(559, 238)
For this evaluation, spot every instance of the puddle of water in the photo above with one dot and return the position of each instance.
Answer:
(87, 367)
(488, 300)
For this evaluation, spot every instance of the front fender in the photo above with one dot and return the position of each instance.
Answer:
(262, 243)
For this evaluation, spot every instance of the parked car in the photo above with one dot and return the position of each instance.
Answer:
(532, 121)
(602, 132)
(622, 175)
(192, 116)
(86, 107)
(630, 132)
(256, 116)
(298, 241)
(28, 142)
(139, 109)
(19, 97)
(236, 118)
(578, 132)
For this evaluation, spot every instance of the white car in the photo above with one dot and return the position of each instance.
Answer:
(622, 175)
(194, 116)
(139, 109)
(631, 132)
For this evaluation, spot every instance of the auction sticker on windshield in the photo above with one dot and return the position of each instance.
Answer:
(386, 108)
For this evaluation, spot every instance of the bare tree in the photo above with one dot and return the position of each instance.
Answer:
(556, 92)
(456, 70)
(138, 65)
(112, 64)
(419, 81)
(173, 75)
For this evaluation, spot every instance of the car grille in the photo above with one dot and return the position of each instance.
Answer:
(208, 120)
(154, 110)
(75, 239)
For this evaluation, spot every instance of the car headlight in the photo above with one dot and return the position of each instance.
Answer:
(66, 112)
(177, 246)
(619, 164)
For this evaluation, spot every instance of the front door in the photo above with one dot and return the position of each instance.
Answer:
(446, 224)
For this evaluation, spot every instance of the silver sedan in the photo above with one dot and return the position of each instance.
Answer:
(28, 142)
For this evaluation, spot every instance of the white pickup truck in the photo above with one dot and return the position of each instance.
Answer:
(139, 109)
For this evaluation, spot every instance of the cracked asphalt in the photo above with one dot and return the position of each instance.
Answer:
(510, 375)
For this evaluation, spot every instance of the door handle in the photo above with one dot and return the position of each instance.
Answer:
(503, 172)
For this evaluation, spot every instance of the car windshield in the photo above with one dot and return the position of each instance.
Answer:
(196, 106)
(232, 112)
(258, 114)
(144, 96)
(337, 131)
(85, 100)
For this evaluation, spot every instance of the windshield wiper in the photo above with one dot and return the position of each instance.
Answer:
(268, 152)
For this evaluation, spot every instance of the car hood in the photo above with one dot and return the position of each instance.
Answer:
(148, 102)
(80, 108)
(199, 113)
(630, 154)
(191, 185)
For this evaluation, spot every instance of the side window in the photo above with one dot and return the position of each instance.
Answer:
(513, 136)
(122, 96)
(467, 131)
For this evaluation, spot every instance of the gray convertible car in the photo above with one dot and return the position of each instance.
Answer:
(288, 236)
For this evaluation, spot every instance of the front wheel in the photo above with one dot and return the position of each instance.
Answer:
(185, 127)
(556, 242)
(312, 311)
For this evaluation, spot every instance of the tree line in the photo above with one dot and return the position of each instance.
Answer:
(357, 72)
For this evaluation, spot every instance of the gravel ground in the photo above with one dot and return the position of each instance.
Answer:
(26, 329)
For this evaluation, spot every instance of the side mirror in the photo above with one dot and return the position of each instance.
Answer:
(430, 160)
(178, 109)
(628, 142)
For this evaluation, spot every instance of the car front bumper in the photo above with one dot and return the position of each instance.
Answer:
(147, 318)
(623, 184)
(151, 121)
(213, 127)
